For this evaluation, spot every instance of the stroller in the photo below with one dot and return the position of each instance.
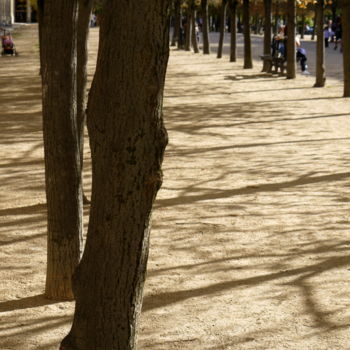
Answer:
(7, 44)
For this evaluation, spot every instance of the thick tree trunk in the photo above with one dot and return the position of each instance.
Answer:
(84, 13)
(61, 147)
(127, 138)
(205, 28)
(346, 47)
(291, 61)
(222, 27)
(267, 30)
(233, 19)
(248, 61)
(320, 56)
(177, 24)
(194, 38)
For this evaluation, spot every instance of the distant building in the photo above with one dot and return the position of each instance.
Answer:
(20, 11)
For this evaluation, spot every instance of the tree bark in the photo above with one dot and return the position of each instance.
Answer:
(193, 28)
(320, 56)
(205, 28)
(267, 30)
(188, 29)
(291, 61)
(277, 16)
(233, 17)
(315, 26)
(127, 138)
(248, 61)
(84, 14)
(177, 24)
(346, 46)
(61, 147)
(302, 32)
(222, 27)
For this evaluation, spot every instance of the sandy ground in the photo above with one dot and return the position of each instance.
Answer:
(250, 242)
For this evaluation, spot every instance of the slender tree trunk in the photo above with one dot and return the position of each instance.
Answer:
(334, 10)
(233, 18)
(320, 57)
(248, 61)
(291, 61)
(177, 24)
(193, 28)
(205, 28)
(84, 14)
(346, 46)
(302, 26)
(61, 146)
(277, 16)
(315, 26)
(256, 23)
(188, 30)
(222, 27)
(267, 30)
(127, 138)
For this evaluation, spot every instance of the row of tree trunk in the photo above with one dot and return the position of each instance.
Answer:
(127, 141)
(231, 5)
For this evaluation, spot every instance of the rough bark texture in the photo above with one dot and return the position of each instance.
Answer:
(177, 22)
(193, 28)
(127, 140)
(267, 30)
(346, 47)
(222, 27)
(84, 13)
(62, 158)
(205, 28)
(320, 56)
(233, 17)
(291, 61)
(248, 60)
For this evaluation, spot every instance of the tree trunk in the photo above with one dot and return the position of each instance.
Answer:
(277, 16)
(291, 61)
(222, 27)
(315, 26)
(334, 10)
(205, 28)
(256, 23)
(346, 47)
(233, 18)
(267, 30)
(320, 56)
(302, 32)
(61, 147)
(177, 24)
(84, 13)
(248, 61)
(188, 29)
(194, 38)
(127, 136)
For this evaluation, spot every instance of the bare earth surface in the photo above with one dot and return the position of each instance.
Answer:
(250, 242)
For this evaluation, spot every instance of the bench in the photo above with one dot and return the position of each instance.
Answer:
(274, 62)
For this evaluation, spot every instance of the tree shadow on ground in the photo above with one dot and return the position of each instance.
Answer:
(26, 303)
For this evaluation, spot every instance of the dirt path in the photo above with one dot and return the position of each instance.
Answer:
(250, 242)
